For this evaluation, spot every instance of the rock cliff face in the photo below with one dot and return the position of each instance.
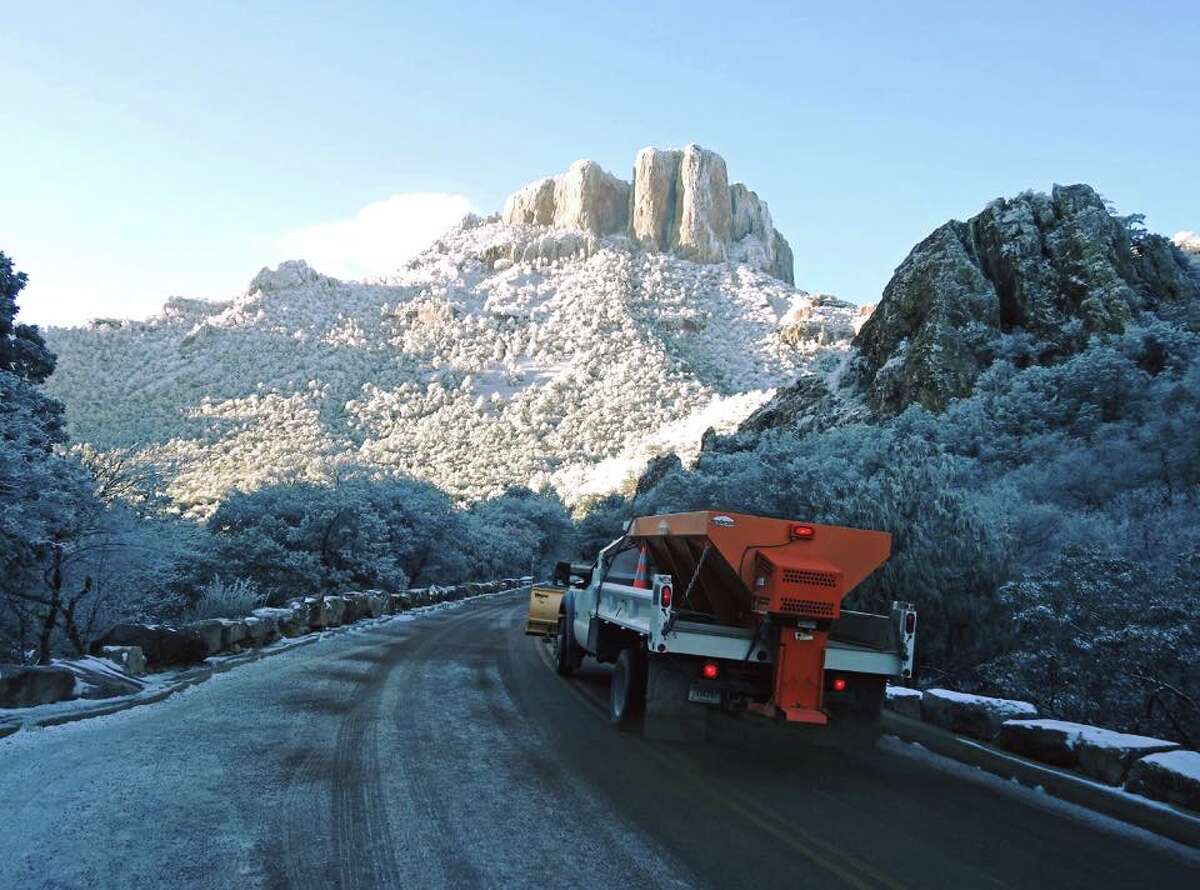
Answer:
(584, 199)
(680, 202)
(1057, 267)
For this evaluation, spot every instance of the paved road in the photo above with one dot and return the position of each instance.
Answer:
(442, 751)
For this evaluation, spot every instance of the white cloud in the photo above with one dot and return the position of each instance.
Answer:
(1189, 241)
(379, 238)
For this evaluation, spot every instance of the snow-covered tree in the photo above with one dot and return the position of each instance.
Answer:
(45, 498)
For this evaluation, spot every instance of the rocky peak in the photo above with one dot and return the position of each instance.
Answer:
(680, 201)
(584, 199)
(1057, 267)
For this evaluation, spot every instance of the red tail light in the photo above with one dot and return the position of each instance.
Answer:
(711, 670)
(910, 622)
(839, 684)
(803, 532)
(664, 596)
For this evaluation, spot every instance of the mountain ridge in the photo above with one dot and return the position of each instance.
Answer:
(504, 354)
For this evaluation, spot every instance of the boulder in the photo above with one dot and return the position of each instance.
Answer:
(287, 621)
(128, 658)
(261, 630)
(377, 603)
(338, 610)
(24, 686)
(233, 633)
(1050, 741)
(1108, 756)
(973, 715)
(301, 611)
(163, 646)
(316, 612)
(99, 678)
(903, 701)
(1104, 754)
(211, 632)
(357, 607)
(1171, 776)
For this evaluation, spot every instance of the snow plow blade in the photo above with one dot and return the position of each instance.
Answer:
(544, 602)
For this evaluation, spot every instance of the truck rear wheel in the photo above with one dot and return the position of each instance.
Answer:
(566, 658)
(627, 689)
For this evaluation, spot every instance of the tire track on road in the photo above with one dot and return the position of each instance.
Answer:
(346, 840)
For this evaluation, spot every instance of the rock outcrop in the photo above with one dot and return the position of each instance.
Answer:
(585, 199)
(1058, 267)
(703, 223)
(680, 202)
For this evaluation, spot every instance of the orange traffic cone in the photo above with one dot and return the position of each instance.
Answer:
(639, 576)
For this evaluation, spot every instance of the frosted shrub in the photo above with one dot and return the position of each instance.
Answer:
(227, 599)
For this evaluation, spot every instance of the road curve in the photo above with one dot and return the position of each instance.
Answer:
(442, 751)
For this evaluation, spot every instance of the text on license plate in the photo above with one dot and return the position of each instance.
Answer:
(704, 696)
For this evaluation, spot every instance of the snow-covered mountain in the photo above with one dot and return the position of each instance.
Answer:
(593, 326)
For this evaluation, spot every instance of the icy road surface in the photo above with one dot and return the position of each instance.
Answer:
(442, 751)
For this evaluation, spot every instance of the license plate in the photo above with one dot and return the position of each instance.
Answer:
(704, 696)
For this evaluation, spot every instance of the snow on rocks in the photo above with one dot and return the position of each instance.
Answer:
(23, 686)
(1101, 753)
(973, 715)
(1108, 755)
(128, 658)
(99, 678)
(904, 701)
(287, 621)
(1170, 776)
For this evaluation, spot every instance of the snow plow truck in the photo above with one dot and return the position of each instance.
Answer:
(713, 610)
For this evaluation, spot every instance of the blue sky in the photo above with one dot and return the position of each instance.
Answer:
(152, 150)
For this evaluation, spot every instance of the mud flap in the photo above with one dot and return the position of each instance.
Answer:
(669, 715)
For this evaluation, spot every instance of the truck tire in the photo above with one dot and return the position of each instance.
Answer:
(627, 689)
(670, 717)
(566, 659)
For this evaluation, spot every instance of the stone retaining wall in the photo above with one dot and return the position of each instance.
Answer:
(1154, 768)
(134, 648)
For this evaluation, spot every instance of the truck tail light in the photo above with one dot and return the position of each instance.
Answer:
(711, 671)
(839, 684)
(664, 596)
(910, 622)
(803, 532)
